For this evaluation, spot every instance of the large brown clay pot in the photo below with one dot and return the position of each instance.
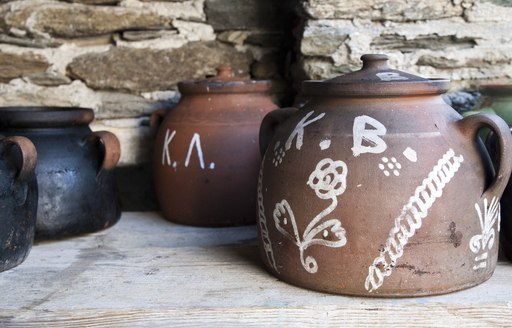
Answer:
(206, 156)
(77, 192)
(18, 200)
(376, 187)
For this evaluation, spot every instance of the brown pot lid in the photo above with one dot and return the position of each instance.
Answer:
(224, 82)
(375, 78)
(44, 117)
(496, 89)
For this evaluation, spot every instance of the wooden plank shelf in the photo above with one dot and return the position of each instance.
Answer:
(145, 272)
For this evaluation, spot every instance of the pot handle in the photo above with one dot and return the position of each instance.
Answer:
(270, 123)
(471, 124)
(111, 149)
(28, 152)
(155, 120)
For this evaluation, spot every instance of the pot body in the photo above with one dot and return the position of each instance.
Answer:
(206, 158)
(382, 196)
(77, 192)
(18, 200)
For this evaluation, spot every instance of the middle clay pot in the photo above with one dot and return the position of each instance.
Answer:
(206, 152)
(377, 187)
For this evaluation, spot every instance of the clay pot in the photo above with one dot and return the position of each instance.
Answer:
(18, 200)
(206, 157)
(376, 187)
(75, 168)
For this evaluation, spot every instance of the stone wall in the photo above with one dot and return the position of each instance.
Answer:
(467, 41)
(123, 58)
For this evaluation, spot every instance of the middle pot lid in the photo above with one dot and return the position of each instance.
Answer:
(224, 82)
(375, 79)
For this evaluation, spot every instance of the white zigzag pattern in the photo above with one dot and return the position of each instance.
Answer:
(411, 217)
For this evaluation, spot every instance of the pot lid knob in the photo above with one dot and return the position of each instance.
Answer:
(375, 62)
(224, 72)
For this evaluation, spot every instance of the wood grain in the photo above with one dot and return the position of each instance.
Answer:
(146, 271)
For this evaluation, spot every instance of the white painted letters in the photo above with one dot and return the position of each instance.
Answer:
(299, 130)
(390, 76)
(195, 143)
(370, 136)
(165, 151)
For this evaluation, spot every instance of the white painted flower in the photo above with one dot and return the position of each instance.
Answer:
(329, 179)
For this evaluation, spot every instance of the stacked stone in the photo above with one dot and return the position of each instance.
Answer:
(467, 41)
(124, 58)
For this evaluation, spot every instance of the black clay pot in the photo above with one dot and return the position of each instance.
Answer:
(18, 200)
(505, 234)
(75, 168)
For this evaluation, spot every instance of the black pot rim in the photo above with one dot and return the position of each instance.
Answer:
(44, 116)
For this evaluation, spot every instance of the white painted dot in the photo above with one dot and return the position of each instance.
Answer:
(325, 144)
(410, 154)
(285, 221)
(385, 159)
(381, 166)
(386, 173)
(398, 165)
(393, 159)
(212, 166)
(391, 166)
(396, 172)
(326, 233)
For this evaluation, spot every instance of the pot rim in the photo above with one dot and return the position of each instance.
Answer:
(44, 116)
(219, 87)
(434, 86)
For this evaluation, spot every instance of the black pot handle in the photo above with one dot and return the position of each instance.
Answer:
(27, 163)
(270, 123)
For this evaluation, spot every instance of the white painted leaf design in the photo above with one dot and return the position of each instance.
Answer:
(329, 233)
(285, 221)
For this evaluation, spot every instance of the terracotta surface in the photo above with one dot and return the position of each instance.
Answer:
(376, 187)
(18, 200)
(75, 168)
(206, 157)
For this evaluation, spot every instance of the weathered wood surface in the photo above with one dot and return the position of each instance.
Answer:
(146, 271)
